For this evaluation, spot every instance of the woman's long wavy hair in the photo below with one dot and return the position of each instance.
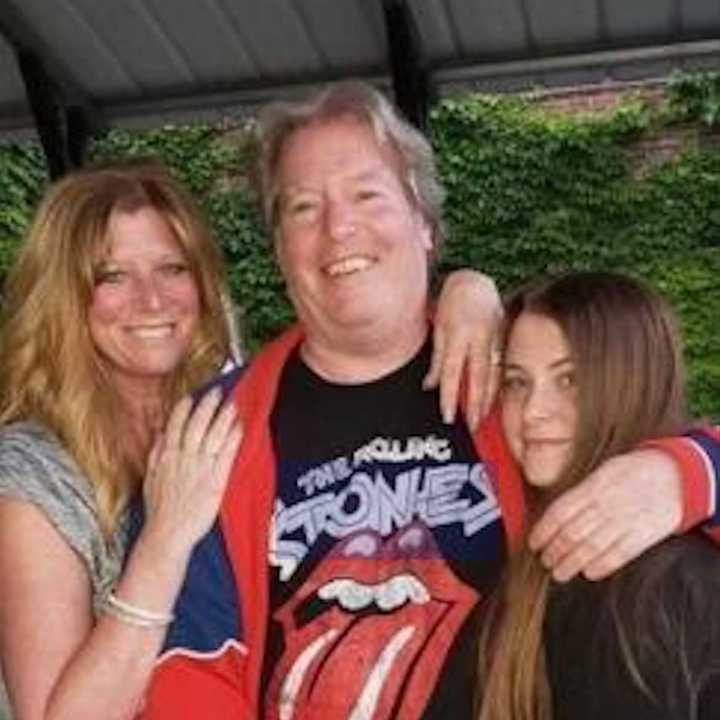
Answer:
(628, 364)
(51, 371)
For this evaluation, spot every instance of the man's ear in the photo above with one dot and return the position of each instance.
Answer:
(426, 235)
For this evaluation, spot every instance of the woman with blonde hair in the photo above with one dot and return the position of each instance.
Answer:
(115, 309)
(592, 367)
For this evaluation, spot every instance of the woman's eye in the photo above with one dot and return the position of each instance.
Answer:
(300, 207)
(109, 277)
(566, 380)
(363, 195)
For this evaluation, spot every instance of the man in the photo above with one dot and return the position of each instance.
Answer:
(360, 532)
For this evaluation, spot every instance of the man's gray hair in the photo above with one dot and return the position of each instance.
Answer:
(279, 120)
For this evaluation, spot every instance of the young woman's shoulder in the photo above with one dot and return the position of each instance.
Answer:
(681, 575)
(669, 604)
(644, 643)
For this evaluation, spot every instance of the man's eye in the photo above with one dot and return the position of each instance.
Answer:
(172, 269)
(363, 195)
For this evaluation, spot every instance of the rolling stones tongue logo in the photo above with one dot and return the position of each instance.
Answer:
(389, 612)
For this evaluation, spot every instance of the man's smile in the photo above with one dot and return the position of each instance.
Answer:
(349, 265)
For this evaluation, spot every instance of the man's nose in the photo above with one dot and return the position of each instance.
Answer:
(340, 220)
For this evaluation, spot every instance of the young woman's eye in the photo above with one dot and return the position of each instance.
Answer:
(566, 380)
(513, 383)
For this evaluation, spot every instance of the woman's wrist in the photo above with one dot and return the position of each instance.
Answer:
(155, 571)
(132, 614)
(163, 545)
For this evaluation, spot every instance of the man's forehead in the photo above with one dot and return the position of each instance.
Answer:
(346, 147)
(379, 172)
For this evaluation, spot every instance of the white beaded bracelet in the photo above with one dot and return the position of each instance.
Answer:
(134, 615)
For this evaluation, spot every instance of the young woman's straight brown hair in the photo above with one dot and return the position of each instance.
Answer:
(626, 351)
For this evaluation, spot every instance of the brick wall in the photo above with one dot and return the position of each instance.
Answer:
(651, 150)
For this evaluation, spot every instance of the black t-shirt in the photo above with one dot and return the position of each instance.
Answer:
(669, 604)
(386, 535)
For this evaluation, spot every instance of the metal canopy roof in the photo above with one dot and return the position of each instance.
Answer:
(130, 62)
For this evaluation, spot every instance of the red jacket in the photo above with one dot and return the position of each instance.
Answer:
(226, 684)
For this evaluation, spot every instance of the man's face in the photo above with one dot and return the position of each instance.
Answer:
(351, 244)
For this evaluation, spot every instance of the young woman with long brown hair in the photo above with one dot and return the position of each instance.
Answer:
(592, 367)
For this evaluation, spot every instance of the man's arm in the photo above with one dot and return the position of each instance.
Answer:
(698, 456)
(630, 503)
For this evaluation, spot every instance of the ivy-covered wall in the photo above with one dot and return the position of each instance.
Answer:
(530, 190)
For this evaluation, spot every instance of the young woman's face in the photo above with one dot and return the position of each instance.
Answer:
(539, 398)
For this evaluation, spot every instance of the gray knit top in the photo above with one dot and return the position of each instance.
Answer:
(35, 468)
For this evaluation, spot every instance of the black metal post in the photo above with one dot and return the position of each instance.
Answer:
(64, 116)
(63, 129)
(411, 79)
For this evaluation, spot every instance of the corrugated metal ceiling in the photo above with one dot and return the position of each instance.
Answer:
(144, 61)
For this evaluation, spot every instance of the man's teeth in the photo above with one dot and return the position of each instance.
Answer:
(152, 333)
(388, 595)
(348, 265)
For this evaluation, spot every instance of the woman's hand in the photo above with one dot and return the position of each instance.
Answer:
(467, 324)
(188, 469)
